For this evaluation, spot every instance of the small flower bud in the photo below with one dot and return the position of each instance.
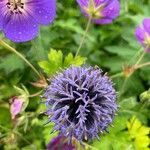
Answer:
(16, 106)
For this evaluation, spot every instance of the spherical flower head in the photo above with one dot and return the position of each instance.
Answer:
(20, 19)
(81, 102)
(16, 106)
(142, 34)
(60, 143)
(101, 11)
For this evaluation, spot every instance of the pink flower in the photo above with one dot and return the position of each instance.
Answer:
(16, 106)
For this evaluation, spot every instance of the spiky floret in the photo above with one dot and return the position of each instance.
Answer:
(81, 102)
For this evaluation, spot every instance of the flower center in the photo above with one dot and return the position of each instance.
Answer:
(15, 6)
(95, 11)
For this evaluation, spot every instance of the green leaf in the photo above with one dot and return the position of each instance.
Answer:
(55, 62)
(11, 63)
(45, 66)
(48, 136)
(136, 129)
(116, 141)
(70, 60)
(123, 51)
(119, 124)
(115, 63)
(139, 133)
(5, 118)
(55, 57)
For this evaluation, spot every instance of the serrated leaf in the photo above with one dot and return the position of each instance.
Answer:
(70, 60)
(139, 133)
(55, 57)
(45, 66)
(55, 62)
(136, 129)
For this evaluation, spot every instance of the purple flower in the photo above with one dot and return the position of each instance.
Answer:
(20, 19)
(16, 106)
(60, 143)
(102, 11)
(81, 102)
(143, 34)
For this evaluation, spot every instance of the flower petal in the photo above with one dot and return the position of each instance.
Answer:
(16, 107)
(44, 11)
(2, 6)
(20, 27)
(83, 3)
(102, 21)
(140, 34)
(146, 24)
(112, 10)
(99, 2)
(1, 22)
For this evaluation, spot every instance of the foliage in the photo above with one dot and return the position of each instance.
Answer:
(111, 47)
(56, 62)
(139, 133)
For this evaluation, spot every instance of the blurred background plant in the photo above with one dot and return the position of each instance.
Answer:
(113, 48)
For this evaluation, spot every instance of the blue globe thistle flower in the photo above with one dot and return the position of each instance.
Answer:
(102, 11)
(60, 143)
(20, 19)
(81, 102)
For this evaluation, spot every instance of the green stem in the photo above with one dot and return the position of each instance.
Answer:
(8, 47)
(35, 94)
(84, 36)
(120, 74)
(142, 65)
(126, 6)
(123, 87)
(135, 56)
(141, 57)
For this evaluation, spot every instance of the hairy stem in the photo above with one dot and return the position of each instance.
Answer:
(142, 65)
(84, 36)
(139, 52)
(35, 94)
(120, 74)
(141, 57)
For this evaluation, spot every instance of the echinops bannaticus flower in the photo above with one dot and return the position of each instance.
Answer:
(101, 11)
(60, 143)
(142, 34)
(81, 102)
(20, 19)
